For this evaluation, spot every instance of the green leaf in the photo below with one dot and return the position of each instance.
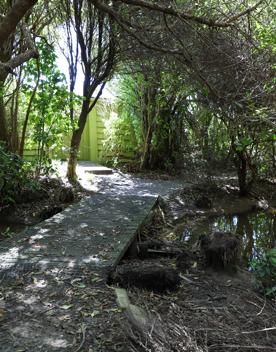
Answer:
(270, 291)
(95, 313)
(246, 141)
(66, 306)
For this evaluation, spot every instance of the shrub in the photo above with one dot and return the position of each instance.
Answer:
(265, 271)
(15, 175)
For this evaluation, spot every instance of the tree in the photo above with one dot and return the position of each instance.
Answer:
(10, 55)
(95, 34)
(48, 117)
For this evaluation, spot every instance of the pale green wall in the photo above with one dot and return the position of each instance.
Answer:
(93, 134)
(92, 137)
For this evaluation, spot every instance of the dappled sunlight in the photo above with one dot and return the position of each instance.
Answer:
(37, 284)
(91, 259)
(56, 342)
(30, 300)
(119, 184)
(58, 218)
(30, 330)
(92, 232)
(34, 238)
(8, 259)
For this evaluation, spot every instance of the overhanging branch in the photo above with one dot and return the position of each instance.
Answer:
(186, 16)
(10, 21)
(31, 52)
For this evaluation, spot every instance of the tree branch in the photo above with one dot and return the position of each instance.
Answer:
(10, 21)
(31, 52)
(187, 16)
(114, 15)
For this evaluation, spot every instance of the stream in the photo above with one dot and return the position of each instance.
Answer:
(258, 231)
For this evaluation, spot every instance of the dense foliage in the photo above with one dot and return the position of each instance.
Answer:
(265, 271)
(196, 80)
(15, 177)
(48, 116)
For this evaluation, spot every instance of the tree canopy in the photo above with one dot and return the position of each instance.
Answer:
(192, 75)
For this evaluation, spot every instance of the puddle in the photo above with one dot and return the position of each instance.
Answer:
(258, 231)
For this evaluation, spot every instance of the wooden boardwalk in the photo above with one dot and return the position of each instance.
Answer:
(53, 293)
(93, 233)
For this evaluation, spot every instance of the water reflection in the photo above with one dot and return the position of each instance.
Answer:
(258, 231)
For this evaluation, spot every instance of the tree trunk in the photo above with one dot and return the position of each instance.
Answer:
(242, 173)
(145, 163)
(241, 166)
(273, 155)
(75, 142)
(73, 156)
(14, 138)
(3, 129)
(30, 103)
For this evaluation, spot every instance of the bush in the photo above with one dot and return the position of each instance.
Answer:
(15, 176)
(265, 271)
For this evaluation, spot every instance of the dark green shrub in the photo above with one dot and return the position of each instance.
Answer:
(265, 271)
(15, 176)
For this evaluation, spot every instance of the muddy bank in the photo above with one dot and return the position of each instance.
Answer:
(221, 310)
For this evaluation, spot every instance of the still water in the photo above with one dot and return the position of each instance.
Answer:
(258, 231)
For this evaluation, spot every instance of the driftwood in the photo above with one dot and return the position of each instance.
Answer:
(148, 332)
(152, 277)
(221, 250)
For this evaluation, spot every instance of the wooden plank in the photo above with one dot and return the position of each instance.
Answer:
(94, 233)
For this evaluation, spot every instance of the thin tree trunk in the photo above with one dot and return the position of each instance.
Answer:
(241, 165)
(14, 143)
(273, 155)
(75, 143)
(3, 128)
(25, 124)
(147, 150)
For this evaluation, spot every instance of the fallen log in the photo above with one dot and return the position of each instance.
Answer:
(148, 276)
